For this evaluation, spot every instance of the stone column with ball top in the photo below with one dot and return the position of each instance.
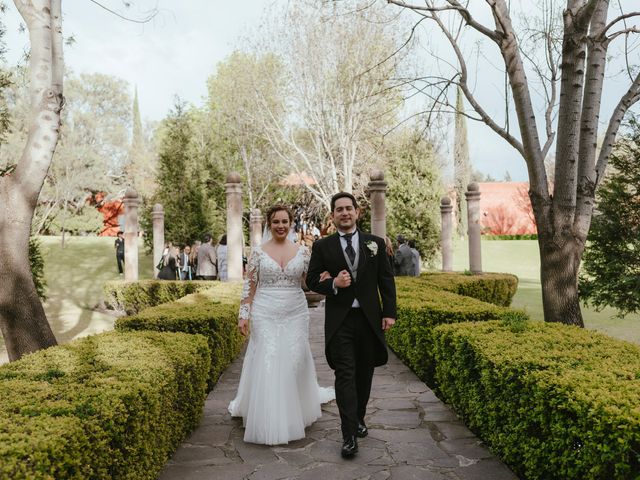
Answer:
(131, 204)
(446, 212)
(473, 227)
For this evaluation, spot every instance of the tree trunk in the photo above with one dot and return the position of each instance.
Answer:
(559, 263)
(23, 322)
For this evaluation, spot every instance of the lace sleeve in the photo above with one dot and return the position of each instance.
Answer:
(250, 284)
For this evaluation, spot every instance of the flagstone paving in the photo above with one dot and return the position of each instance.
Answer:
(412, 436)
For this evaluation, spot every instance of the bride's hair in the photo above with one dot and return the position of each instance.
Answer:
(279, 207)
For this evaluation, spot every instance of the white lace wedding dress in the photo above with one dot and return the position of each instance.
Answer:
(278, 395)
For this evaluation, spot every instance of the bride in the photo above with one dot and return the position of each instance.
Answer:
(278, 394)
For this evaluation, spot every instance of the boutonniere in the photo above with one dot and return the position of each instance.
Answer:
(373, 247)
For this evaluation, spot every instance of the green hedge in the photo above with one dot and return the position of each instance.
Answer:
(213, 313)
(496, 288)
(421, 307)
(133, 297)
(553, 401)
(517, 236)
(108, 406)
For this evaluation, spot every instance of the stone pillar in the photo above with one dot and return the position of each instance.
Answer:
(473, 227)
(234, 226)
(131, 204)
(255, 221)
(157, 214)
(377, 193)
(446, 210)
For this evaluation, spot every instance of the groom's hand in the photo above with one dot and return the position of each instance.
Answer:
(343, 280)
(387, 323)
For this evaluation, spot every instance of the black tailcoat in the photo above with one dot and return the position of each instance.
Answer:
(374, 287)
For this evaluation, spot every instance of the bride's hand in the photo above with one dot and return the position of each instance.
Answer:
(243, 325)
(324, 275)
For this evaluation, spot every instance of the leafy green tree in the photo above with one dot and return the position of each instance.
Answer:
(183, 180)
(414, 191)
(611, 269)
(91, 153)
(240, 83)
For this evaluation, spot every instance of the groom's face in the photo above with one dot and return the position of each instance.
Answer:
(345, 214)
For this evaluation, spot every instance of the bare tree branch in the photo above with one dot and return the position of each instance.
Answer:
(629, 99)
(618, 19)
(626, 31)
(455, 6)
(486, 118)
(150, 15)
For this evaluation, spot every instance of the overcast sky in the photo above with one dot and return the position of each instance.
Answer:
(178, 50)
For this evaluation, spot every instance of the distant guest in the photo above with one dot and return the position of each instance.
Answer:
(207, 269)
(169, 268)
(416, 258)
(404, 259)
(221, 255)
(184, 264)
(119, 246)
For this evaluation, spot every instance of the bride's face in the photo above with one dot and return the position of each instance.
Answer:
(280, 225)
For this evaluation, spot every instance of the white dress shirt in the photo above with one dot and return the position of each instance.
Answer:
(355, 245)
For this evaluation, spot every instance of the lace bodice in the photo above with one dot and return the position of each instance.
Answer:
(264, 272)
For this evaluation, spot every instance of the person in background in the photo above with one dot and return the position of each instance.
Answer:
(221, 254)
(169, 264)
(403, 261)
(207, 269)
(185, 263)
(315, 231)
(416, 258)
(119, 246)
(193, 257)
(389, 250)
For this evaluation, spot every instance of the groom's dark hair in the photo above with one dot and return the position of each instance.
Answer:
(340, 195)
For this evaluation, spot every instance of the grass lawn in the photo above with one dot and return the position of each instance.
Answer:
(521, 258)
(75, 276)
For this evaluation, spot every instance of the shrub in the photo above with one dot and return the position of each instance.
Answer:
(133, 297)
(517, 236)
(109, 406)
(496, 288)
(553, 401)
(421, 307)
(208, 313)
(36, 260)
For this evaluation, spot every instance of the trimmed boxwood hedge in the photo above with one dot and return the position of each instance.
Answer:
(133, 297)
(113, 405)
(421, 307)
(496, 288)
(553, 401)
(212, 313)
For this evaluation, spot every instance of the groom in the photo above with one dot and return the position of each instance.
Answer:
(359, 274)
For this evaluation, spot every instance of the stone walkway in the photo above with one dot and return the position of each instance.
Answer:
(412, 435)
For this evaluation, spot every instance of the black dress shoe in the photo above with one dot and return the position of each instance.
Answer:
(349, 447)
(363, 431)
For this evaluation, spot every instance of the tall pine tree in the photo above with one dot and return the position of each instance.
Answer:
(142, 164)
(611, 263)
(461, 166)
